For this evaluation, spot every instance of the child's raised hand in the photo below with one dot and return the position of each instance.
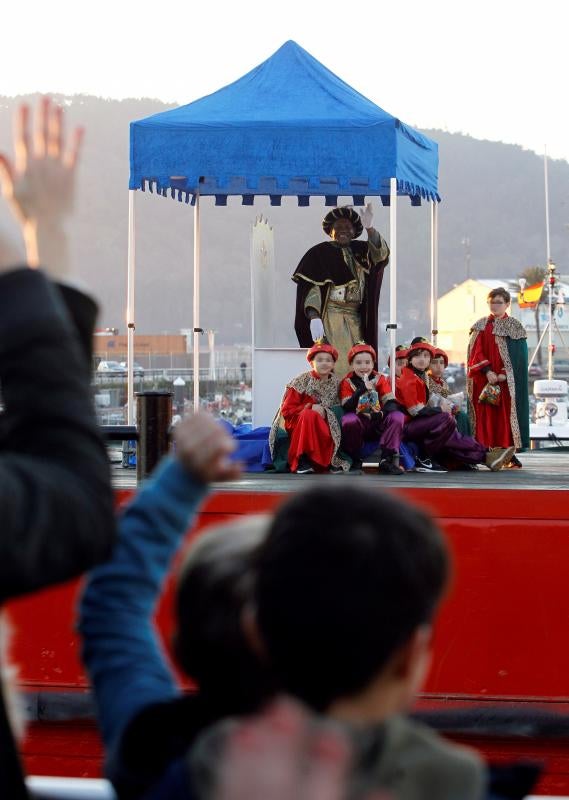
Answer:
(281, 754)
(39, 184)
(203, 448)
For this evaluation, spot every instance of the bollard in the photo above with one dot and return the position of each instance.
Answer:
(153, 420)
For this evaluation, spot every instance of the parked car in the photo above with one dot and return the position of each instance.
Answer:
(535, 371)
(137, 370)
(111, 368)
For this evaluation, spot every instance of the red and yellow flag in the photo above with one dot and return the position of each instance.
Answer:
(529, 297)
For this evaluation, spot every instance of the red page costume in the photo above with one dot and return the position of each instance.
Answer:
(499, 344)
(310, 434)
(432, 429)
(411, 391)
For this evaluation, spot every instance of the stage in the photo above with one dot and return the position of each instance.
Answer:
(500, 673)
(545, 468)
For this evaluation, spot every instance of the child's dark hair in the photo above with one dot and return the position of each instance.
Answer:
(344, 578)
(500, 292)
(214, 586)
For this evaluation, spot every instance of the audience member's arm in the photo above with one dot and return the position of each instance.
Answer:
(121, 649)
(55, 495)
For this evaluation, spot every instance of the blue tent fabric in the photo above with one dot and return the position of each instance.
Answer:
(288, 127)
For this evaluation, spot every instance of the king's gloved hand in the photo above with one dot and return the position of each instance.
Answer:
(316, 328)
(366, 215)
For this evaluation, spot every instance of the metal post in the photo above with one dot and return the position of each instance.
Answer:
(211, 347)
(153, 421)
(197, 329)
(130, 326)
(392, 326)
(551, 282)
(550, 267)
(546, 190)
(434, 270)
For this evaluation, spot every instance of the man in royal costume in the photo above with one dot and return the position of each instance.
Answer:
(339, 282)
(498, 355)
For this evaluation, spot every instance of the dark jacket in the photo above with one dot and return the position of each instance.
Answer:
(56, 503)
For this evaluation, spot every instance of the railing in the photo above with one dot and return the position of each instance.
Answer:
(220, 374)
(94, 789)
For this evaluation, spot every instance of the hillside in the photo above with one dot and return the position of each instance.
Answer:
(492, 194)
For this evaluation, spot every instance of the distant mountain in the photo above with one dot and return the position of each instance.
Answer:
(492, 195)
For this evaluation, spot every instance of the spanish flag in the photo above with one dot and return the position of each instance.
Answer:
(529, 297)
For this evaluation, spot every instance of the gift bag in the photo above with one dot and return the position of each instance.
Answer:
(490, 394)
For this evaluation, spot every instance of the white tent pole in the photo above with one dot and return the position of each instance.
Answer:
(546, 191)
(130, 308)
(549, 264)
(392, 275)
(196, 361)
(434, 270)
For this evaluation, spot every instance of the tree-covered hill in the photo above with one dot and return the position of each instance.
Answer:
(492, 196)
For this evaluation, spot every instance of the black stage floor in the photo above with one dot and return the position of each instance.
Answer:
(545, 469)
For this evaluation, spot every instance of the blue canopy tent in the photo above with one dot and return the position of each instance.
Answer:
(287, 127)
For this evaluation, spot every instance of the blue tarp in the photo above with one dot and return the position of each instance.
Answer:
(252, 445)
(288, 127)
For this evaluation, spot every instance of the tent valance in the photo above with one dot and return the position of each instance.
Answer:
(288, 127)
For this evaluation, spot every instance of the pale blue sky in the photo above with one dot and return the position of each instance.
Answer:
(495, 70)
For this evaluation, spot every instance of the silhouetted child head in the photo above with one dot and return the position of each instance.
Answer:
(214, 585)
(347, 584)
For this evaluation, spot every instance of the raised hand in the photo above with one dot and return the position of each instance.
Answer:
(284, 754)
(370, 386)
(366, 215)
(203, 447)
(278, 755)
(39, 184)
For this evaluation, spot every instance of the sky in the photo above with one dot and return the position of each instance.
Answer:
(493, 70)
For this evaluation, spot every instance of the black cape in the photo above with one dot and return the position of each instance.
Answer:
(324, 266)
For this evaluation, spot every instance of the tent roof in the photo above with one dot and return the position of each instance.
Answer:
(288, 127)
